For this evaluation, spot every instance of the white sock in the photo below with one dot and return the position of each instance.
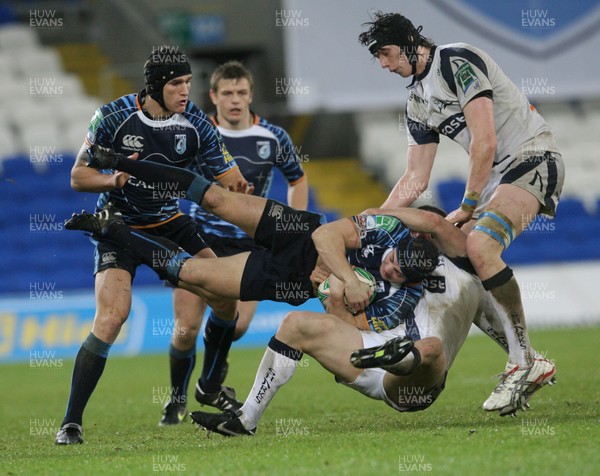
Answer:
(276, 368)
(506, 300)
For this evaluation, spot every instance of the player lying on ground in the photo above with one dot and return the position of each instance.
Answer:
(414, 357)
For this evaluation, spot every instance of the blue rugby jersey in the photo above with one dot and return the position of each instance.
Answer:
(256, 151)
(180, 140)
(393, 304)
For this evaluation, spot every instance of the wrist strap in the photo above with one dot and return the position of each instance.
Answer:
(469, 202)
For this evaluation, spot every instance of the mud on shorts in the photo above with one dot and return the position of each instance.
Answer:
(182, 229)
(281, 272)
(370, 381)
(537, 167)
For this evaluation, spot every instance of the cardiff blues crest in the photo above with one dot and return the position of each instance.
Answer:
(180, 143)
(263, 149)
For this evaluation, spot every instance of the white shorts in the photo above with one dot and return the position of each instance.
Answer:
(370, 381)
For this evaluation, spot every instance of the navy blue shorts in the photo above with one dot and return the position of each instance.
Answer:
(281, 272)
(182, 229)
(229, 246)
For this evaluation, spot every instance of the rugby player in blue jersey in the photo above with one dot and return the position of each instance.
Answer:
(158, 125)
(257, 147)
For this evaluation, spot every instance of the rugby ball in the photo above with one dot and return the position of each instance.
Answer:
(363, 275)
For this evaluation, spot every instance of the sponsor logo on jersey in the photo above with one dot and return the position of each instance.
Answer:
(131, 142)
(465, 75)
(453, 125)
(386, 223)
(263, 149)
(226, 155)
(180, 143)
(435, 284)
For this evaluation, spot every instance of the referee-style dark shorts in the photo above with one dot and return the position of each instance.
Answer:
(182, 229)
(281, 272)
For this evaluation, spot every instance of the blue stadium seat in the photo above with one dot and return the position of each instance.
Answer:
(571, 207)
(450, 193)
(7, 15)
(17, 167)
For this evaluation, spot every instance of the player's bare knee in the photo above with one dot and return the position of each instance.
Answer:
(185, 335)
(295, 328)
(431, 350)
(477, 249)
(214, 198)
(240, 329)
(107, 325)
(291, 324)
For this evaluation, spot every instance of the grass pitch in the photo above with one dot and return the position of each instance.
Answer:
(313, 425)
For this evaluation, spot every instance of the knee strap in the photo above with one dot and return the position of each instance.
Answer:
(496, 225)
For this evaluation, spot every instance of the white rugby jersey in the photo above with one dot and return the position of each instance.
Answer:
(450, 302)
(456, 74)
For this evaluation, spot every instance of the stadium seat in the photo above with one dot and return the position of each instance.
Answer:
(7, 15)
(77, 110)
(450, 193)
(42, 64)
(43, 143)
(16, 37)
(572, 207)
(31, 113)
(17, 167)
(7, 65)
(9, 144)
(14, 93)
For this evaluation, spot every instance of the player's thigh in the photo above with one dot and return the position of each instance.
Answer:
(517, 204)
(240, 209)
(220, 277)
(513, 209)
(326, 338)
(113, 302)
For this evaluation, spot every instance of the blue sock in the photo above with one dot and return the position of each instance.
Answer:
(182, 364)
(218, 335)
(89, 366)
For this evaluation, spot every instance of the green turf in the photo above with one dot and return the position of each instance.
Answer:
(313, 426)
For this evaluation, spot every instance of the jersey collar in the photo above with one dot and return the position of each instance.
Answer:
(420, 77)
(255, 119)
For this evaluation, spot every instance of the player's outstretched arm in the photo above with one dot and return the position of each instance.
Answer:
(448, 238)
(416, 177)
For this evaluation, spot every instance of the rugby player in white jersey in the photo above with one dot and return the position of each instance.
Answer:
(516, 171)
